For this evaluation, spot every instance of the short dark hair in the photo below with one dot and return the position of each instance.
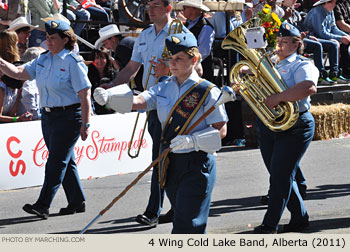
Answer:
(165, 2)
(23, 29)
(300, 49)
(72, 39)
(119, 37)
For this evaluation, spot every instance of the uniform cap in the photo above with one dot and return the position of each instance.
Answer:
(180, 42)
(287, 29)
(55, 26)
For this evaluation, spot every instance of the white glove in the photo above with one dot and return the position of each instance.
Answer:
(207, 140)
(118, 98)
(101, 96)
(182, 144)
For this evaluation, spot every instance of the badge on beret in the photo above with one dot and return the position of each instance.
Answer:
(287, 27)
(54, 24)
(176, 40)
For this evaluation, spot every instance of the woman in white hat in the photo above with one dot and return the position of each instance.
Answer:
(23, 29)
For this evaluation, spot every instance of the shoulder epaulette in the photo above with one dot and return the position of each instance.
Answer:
(302, 57)
(45, 52)
(77, 57)
(148, 26)
(164, 78)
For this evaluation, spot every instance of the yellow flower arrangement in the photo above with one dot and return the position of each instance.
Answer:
(271, 22)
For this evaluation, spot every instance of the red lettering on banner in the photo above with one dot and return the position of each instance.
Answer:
(40, 148)
(93, 148)
(79, 154)
(100, 145)
(9, 141)
(19, 164)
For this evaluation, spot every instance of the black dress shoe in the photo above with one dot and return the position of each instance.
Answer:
(166, 218)
(72, 209)
(263, 229)
(145, 220)
(295, 227)
(40, 211)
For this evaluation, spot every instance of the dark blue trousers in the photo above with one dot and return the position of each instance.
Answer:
(189, 185)
(155, 201)
(282, 152)
(61, 131)
(317, 48)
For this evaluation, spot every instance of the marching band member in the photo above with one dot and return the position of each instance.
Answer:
(179, 101)
(282, 151)
(148, 45)
(64, 90)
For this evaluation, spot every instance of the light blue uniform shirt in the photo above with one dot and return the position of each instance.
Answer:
(205, 38)
(59, 78)
(163, 96)
(295, 69)
(218, 20)
(150, 44)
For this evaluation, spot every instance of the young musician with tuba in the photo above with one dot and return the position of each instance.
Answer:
(147, 51)
(181, 99)
(282, 151)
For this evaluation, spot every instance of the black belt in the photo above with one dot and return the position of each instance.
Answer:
(54, 109)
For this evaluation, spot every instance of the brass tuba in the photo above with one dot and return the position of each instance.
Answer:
(265, 80)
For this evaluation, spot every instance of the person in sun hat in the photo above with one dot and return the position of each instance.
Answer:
(121, 47)
(203, 30)
(282, 151)
(23, 29)
(184, 97)
(112, 38)
(64, 91)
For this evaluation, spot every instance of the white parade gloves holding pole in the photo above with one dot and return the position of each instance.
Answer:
(207, 140)
(119, 98)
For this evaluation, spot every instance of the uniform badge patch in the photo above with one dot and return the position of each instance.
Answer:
(54, 24)
(191, 100)
(176, 40)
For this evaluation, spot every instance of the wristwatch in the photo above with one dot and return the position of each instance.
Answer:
(87, 125)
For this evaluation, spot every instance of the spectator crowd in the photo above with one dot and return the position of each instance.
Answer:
(324, 27)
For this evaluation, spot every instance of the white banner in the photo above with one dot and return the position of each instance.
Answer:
(23, 152)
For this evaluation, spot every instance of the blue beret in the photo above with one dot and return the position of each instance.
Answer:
(180, 42)
(287, 29)
(54, 26)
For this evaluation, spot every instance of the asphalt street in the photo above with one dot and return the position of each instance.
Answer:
(235, 209)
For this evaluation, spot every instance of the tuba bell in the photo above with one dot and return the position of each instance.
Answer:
(263, 82)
